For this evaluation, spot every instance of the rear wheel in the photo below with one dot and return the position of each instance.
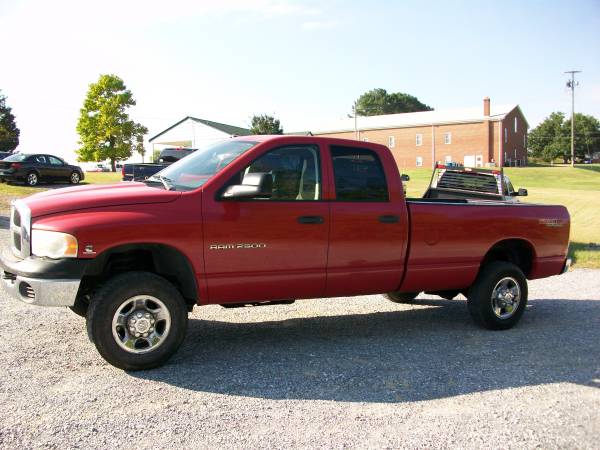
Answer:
(32, 179)
(498, 298)
(75, 178)
(401, 297)
(137, 320)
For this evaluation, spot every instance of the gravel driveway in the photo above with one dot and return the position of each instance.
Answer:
(353, 372)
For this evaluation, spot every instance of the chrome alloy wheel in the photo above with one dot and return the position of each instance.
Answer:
(141, 324)
(506, 297)
(32, 179)
(74, 178)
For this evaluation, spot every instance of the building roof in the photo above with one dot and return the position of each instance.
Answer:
(229, 129)
(409, 120)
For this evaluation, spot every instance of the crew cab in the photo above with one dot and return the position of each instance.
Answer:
(261, 220)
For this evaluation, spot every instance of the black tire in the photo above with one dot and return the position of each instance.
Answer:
(32, 179)
(401, 297)
(74, 178)
(481, 301)
(448, 295)
(119, 290)
(80, 307)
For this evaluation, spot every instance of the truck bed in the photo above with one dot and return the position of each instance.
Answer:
(449, 237)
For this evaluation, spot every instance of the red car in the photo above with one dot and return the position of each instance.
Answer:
(262, 220)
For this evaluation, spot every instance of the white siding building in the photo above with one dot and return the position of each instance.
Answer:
(195, 133)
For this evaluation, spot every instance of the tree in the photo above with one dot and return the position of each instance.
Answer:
(104, 126)
(265, 124)
(9, 133)
(551, 139)
(377, 101)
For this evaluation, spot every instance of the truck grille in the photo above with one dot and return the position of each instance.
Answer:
(20, 226)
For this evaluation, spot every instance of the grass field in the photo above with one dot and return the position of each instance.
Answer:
(578, 189)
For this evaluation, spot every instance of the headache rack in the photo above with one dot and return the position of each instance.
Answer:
(465, 180)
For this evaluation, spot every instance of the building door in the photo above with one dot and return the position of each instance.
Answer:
(469, 161)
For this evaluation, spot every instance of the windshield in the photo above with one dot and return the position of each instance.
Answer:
(196, 169)
(17, 157)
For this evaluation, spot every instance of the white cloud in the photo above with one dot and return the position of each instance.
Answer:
(319, 25)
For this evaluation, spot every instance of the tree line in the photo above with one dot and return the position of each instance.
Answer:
(107, 132)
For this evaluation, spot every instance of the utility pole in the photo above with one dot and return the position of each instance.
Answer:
(571, 84)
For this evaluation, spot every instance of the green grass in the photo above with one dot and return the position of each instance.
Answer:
(576, 188)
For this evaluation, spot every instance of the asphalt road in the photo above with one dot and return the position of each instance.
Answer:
(352, 372)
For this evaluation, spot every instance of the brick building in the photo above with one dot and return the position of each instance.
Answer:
(477, 137)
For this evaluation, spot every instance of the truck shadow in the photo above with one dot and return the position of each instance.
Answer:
(412, 354)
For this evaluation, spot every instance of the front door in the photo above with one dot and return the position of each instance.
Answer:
(57, 168)
(269, 248)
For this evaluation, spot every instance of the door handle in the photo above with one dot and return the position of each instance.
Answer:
(311, 219)
(389, 219)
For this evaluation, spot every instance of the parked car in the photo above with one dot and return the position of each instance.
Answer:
(458, 182)
(261, 220)
(36, 168)
(141, 171)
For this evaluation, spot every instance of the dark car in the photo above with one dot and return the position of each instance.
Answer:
(33, 169)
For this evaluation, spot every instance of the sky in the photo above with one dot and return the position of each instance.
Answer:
(301, 61)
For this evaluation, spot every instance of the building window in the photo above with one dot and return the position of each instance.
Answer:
(448, 159)
(419, 161)
(447, 138)
(391, 141)
(505, 135)
(516, 122)
(419, 140)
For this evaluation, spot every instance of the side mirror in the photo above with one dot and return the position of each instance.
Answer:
(522, 192)
(254, 185)
(405, 177)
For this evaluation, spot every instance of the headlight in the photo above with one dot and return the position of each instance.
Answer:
(53, 244)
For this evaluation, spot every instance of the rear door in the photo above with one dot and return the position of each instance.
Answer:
(369, 223)
(269, 248)
(40, 163)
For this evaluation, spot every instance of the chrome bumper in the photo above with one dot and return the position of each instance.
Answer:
(41, 292)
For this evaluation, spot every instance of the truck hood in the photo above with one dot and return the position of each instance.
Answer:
(95, 196)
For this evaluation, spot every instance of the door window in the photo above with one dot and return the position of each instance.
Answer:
(295, 170)
(40, 159)
(359, 175)
(55, 161)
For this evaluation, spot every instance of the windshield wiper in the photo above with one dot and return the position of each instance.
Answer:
(167, 182)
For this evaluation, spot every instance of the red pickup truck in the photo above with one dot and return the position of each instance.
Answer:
(265, 220)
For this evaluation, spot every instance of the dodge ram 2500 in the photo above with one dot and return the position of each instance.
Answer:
(267, 220)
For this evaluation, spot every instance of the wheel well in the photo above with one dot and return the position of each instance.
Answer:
(162, 260)
(517, 251)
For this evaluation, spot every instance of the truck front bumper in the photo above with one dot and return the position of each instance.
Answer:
(40, 281)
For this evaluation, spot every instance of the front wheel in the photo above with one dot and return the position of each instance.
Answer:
(498, 298)
(137, 320)
(75, 178)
